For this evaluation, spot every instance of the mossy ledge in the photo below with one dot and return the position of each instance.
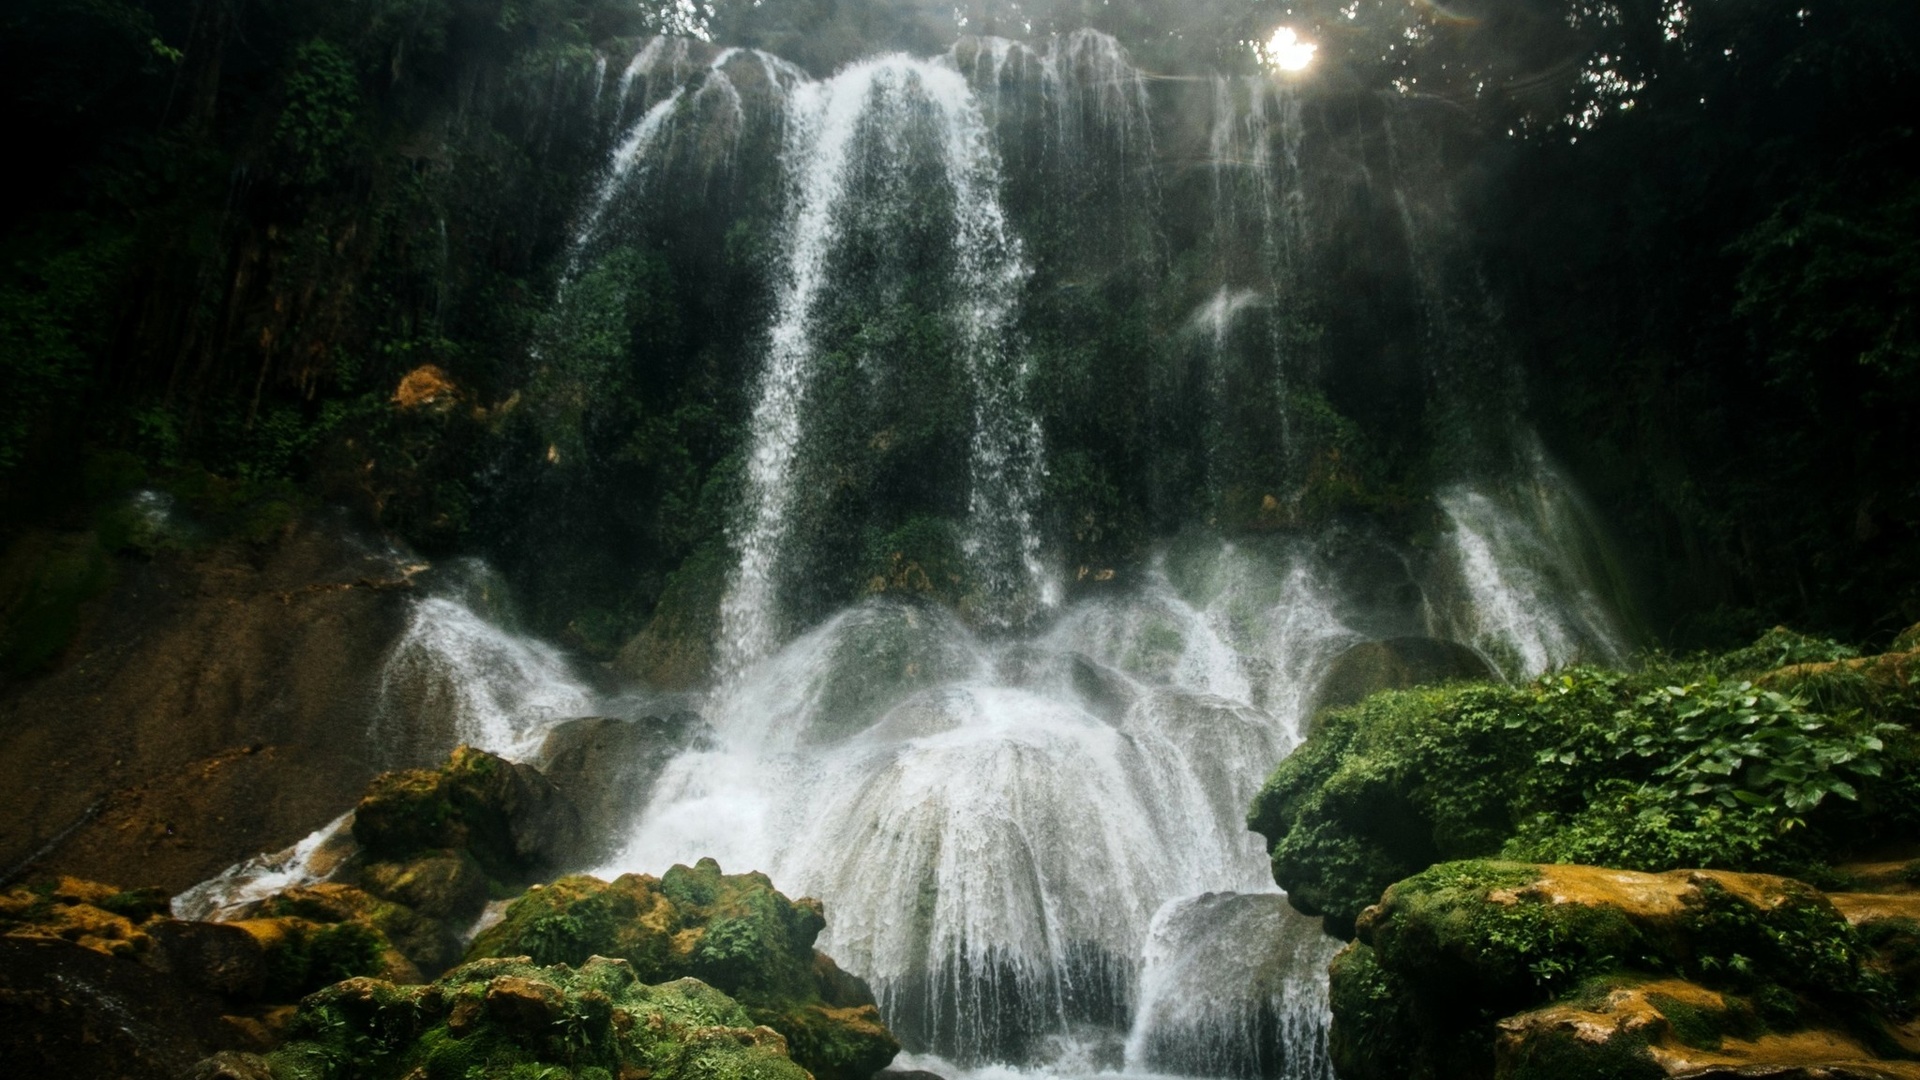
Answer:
(1524, 972)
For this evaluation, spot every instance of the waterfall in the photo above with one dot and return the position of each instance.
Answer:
(997, 825)
(828, 125)
(1233, 985)
(1023, 806)
(457, 676)
(1532, 587)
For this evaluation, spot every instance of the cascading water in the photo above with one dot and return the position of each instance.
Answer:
(1535, 584)
(1027, 824)
(870, 108)
(994, 824)
(455, 677)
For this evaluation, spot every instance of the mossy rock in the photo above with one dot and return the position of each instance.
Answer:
(1568, 768)
(103, 918)
(1395, 664)
(410, 946)
(508, 816)
(512, 1019)
(1652, 1029)
(734, 931)
(448, 885)
(1467, 954)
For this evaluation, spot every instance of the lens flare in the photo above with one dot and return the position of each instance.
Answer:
(1286, 50)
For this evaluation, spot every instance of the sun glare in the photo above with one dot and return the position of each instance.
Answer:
(1286, 51)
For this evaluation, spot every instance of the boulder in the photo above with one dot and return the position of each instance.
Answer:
(70, 1010)
(735, 932)
(444, 884)
(508, 816)
(606, 767)
(1394, 664)
(511, 1016)
(349, 931)
(216, 957)
(99, 917)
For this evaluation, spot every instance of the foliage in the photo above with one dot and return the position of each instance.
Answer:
(1733, 745)
(322, 106)
(250, 223)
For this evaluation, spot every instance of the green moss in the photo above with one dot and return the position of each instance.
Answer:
(312, 956)
(479, 1021)
(476, 803)
(1798, 943)
(139, 904)
(1441, 925)
(733, 931)
(1705, 1028)
(1374, 1035)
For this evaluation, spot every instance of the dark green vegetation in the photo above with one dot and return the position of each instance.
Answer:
(1626, 934)
(1782, 757)
(734, 932)
(508, 1018)
(241, 225)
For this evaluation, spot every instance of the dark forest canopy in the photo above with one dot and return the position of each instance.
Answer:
(237, 224)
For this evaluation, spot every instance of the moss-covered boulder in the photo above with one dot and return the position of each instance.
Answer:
(1704, 762)
(734, 931)
(1536, 961)
(512, 821)
(447, 885)
(511, 1018)
(1395, 664)
(349, 931)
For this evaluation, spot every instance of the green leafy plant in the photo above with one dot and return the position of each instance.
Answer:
(1731, 744)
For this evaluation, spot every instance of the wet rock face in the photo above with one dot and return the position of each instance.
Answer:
(211, 704)
(1395, 664)
(502, 1016)
(733, 931)
(1521, 971)
(607, 766)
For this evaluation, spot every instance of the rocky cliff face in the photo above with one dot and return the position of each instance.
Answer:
(211, 703)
